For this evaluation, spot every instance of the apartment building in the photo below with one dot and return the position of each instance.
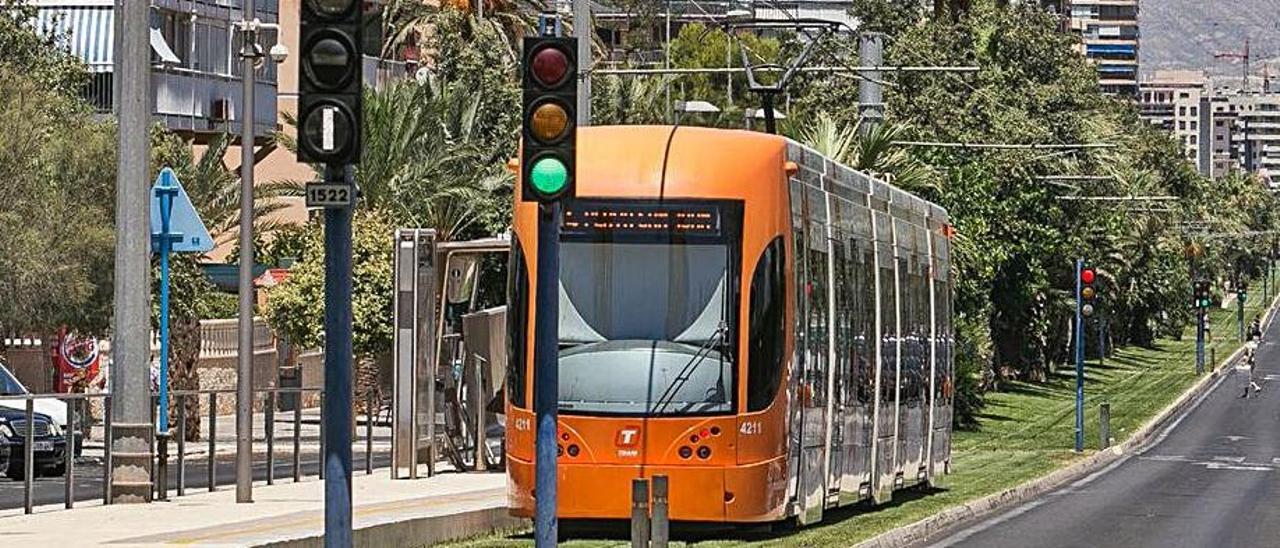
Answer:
(195, 81)
(1109, 33)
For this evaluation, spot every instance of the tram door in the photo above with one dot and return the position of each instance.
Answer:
(886, 388)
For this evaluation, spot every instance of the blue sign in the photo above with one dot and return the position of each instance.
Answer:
(186, 231)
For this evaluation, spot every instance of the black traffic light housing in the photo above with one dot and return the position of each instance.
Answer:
(330, 81)
(1088, 293)
(1202, 296)
(548, 150)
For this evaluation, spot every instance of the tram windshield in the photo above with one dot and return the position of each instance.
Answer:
(646, 326)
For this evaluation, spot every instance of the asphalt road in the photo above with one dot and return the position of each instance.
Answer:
(88, 477)
(1213, 480)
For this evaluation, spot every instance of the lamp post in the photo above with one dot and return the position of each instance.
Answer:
(251, 58)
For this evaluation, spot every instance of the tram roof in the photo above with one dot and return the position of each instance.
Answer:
(640, 154)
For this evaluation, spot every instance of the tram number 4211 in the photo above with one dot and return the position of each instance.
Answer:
(330, 195)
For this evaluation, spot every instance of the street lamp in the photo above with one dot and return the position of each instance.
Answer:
(251, 57)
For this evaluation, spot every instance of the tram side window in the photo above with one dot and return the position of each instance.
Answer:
(767, 327)
(517, 322)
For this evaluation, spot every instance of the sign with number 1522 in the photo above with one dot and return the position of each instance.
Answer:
(330, 195)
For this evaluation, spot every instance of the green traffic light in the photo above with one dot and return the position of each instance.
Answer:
(549, 176)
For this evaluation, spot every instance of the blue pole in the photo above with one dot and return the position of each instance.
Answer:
(546, 384)
(166, 244)
(337, 369)
(1079, 361)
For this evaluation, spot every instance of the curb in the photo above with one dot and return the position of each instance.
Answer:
(947, 519)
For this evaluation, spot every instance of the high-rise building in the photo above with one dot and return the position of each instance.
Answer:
(1109, 33)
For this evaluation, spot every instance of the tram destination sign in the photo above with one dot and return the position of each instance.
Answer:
(586, 217)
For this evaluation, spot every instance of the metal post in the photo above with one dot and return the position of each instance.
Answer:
(69, 464)
(546, 374)
(320, 471)
(28, 457)
(368, 433)
(106, 450)
(661, 525)
(131, 344)
(165, 241)
(770, 120)
(162, 468)
(212, 466)
(640, 513)
(1240, 312)
(297, 438)
(244, 354)
(1104, 425)
(269, 418)
(182, 445)
(1079, 362)
(582, 28)
(1199, 339)
(870, 92)
(337, 369)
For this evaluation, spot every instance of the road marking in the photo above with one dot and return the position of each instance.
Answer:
(1234, 439)
(1166, 458)
(1221, 466)
(1236, 460)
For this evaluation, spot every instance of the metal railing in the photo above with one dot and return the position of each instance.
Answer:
(272, 400)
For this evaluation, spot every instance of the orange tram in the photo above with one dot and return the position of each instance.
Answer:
(769, 329)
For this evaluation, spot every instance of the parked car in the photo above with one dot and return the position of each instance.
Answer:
(53, 408)
(50, 444)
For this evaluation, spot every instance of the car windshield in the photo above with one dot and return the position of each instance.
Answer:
(9, 385)
(645, 328)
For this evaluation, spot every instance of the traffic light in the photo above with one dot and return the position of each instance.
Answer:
(1242, 292)
(549, 136)
(1087, 292)
(1202, 297)
(330, 80)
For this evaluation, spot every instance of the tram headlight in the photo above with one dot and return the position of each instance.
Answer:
(704, 452)
(685, 452)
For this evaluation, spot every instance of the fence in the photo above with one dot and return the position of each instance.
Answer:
(274, 397)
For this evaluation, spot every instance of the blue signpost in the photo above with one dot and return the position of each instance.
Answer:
(1080, 354)
(175, 227)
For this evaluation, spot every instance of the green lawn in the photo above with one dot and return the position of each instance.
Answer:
(1027, 430)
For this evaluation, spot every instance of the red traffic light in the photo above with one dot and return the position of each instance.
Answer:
(550, 67)
(1086, 275)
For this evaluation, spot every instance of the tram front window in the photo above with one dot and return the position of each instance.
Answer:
(646, 328)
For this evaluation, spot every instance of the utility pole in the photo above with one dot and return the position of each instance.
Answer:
(582, 29)
(338, 357)
(244, 365)
(1084, 279)
(131, 434)
(870, 94)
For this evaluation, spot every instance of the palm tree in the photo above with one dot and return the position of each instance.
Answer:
(872, 151)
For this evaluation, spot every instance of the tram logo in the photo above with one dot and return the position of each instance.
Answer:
(628, 437)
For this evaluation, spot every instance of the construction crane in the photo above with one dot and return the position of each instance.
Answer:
(1244, 56)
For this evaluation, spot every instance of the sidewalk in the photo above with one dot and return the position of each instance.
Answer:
(386, 513)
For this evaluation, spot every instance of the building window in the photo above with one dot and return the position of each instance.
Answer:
(1182, 125)
(176, 29)
(1182, 111)
(1193, 125)
(1194, 140)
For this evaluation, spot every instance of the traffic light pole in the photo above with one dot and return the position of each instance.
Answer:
(337, 367)
(1240, 297)
(546, 381)
(1199, 339)
(1079, 360)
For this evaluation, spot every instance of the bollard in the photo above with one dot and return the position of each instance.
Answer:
(182, 445)
(297, 438)
(368, 433)
(69, 465)
(1104, 425)
(212, 466)
(639, 513)
(270, 433)
(661, 524)
(29, 456)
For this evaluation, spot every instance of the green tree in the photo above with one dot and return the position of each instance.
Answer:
(295, 308)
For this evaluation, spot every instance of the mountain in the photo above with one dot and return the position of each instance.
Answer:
(1185, 34)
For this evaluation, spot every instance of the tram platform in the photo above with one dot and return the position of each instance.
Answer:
(386, 512)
